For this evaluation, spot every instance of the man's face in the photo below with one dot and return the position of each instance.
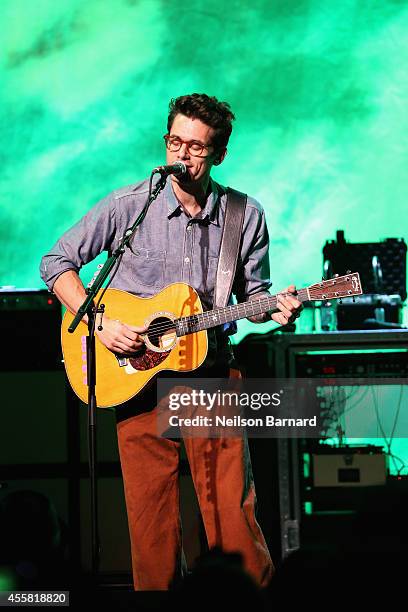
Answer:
(194, 131)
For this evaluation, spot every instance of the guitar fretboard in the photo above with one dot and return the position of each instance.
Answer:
(219, 316)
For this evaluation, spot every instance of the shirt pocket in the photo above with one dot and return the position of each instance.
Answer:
(148, 266)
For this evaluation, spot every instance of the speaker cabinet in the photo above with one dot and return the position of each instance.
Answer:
(33, 418)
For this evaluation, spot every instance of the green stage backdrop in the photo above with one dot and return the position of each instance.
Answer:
(319, 88)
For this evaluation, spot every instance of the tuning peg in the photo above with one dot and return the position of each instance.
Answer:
(340, 301)
(354, 300)
(348, 272)
(336, 276)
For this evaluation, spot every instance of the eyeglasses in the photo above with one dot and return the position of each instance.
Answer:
(195, 148)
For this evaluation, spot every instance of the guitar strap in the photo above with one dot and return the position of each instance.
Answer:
(230, 243)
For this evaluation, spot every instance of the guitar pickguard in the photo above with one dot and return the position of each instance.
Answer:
(146, 361)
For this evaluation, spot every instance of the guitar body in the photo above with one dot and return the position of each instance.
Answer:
(119, 379)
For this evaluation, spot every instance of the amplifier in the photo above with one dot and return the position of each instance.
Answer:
(350, 364)
(350, 467)
(30, 325)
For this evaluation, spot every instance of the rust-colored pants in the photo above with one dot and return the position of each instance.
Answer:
(222, 476)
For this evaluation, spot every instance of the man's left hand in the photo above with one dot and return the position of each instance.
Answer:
(288, 305)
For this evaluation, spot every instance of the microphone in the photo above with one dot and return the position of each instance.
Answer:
(178, 169)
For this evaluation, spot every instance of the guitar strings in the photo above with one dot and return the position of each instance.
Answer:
(163, 327)
(210, 313)
(203, 315)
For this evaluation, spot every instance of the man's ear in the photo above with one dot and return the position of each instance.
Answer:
(220, 157)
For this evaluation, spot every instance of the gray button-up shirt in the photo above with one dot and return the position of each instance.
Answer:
(169, 246)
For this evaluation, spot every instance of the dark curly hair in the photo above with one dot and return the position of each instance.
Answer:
(209, 110)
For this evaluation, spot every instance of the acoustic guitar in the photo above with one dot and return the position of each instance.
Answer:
(176, 338)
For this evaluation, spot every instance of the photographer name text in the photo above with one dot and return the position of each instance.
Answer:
(238, 421)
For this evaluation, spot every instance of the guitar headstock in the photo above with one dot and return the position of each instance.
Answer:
(336, 288)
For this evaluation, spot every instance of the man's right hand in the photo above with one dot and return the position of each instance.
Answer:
(120, 338)
(116, 336)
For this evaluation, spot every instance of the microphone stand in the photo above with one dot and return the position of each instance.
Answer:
(91, 310)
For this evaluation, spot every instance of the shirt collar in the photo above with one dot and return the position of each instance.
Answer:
(209, 210)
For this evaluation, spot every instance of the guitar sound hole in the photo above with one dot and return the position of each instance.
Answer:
(162, 333)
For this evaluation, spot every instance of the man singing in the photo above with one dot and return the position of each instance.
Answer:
(178, 241)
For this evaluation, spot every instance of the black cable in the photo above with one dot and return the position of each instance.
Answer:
(397, 412)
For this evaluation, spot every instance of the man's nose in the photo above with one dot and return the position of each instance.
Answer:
(183, 152)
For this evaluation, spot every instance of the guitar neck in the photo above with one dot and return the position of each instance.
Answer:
(219, 316)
